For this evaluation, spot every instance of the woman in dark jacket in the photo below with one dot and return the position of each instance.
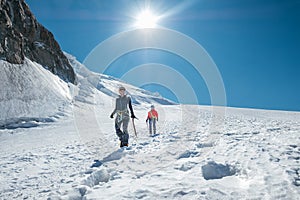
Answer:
(122, 119)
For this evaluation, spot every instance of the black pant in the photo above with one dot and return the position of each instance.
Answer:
(123, 135)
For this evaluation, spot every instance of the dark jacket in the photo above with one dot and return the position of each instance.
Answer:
(121, 105)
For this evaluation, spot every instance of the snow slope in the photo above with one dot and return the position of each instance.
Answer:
(251, 154)
(30, 94)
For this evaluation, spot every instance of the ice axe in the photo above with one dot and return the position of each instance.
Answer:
(134, 129)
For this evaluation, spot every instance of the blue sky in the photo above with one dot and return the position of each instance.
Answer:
(255, 44)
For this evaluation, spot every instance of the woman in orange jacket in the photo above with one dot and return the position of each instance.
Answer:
(152, 118)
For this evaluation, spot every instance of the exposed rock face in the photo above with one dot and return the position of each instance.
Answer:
(22, 36)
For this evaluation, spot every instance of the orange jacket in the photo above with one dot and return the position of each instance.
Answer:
(152, 114)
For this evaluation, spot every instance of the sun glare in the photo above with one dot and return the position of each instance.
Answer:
(146, 19)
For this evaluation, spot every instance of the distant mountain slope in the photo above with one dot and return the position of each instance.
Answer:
(22, 36)
(109, 85)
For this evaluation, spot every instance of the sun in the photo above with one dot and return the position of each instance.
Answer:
(146, 19)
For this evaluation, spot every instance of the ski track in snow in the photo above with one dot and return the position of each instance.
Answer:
(256, 152)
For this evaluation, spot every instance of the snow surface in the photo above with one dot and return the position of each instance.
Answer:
(249, 154)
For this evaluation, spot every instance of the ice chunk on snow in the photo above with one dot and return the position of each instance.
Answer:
(214, 170)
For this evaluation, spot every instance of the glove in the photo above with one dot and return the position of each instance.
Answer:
(133, 116)
(146, 120)
(112, 116)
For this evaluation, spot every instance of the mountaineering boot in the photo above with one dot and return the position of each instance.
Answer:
(123, 144)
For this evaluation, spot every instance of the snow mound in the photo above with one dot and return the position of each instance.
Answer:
(213, 170)
(98, 176)
(77, 194)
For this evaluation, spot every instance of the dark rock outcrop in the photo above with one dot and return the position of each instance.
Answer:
(22, 36)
